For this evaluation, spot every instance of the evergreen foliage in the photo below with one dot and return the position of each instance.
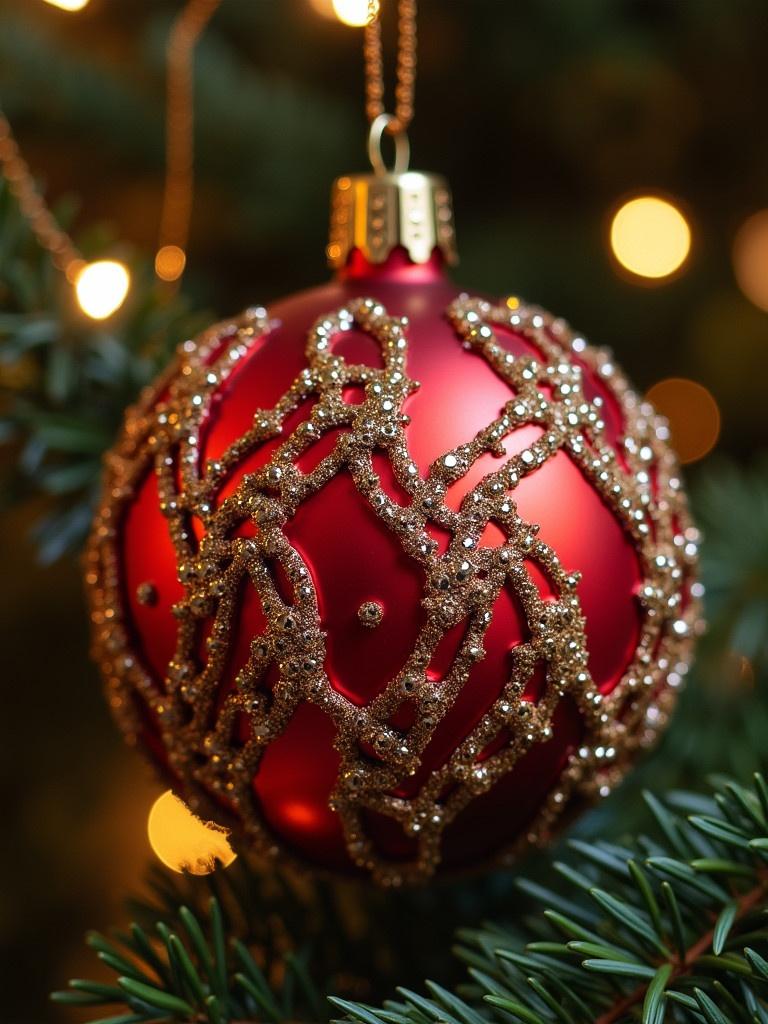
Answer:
(65, 380)
(670, 926)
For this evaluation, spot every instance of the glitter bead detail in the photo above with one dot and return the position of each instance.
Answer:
(370, 614)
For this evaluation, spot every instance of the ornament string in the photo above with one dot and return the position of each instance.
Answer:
(46, 229)
(395, 124)
(179, 144)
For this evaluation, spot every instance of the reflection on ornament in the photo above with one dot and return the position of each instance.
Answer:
(101, 288)
(650, 237)
(68, 5)
(170, 262)
(750, 259)
(182, 841)
(693, 414)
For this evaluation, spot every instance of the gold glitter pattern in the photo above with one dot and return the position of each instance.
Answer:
(641, 486)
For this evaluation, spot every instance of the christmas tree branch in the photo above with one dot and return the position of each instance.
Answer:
(679, 930)
(65, 380)
(192, 973)
(673, 923)
(683, 965)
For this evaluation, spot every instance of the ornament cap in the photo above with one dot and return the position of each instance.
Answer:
(376, 213)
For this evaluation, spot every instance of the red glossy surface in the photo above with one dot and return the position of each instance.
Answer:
(353, 559)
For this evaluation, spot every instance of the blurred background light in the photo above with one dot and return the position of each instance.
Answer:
(170, 262)
(738, 672)
(750, 259)
(69, 5)
(350, 12)
(355, 12)
(650, 237)
(693, 414)
(101, 288)
(182, 841)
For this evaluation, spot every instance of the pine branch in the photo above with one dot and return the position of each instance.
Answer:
(192, 974)
(673, 926)
(661, 929)
(65, 381)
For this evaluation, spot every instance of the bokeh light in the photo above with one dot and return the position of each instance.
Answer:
(170, 262)
(355, 12)
(650, 237)
(693, 414)
(182, 841)
(351, 12)
(750, 259)
(101, 288)
(69, 5)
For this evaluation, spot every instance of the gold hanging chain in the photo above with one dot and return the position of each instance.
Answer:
(398, 122)
(179, 144)
(179, 183)
(48, 232)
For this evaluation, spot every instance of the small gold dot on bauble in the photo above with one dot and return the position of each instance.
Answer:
(370, 614)
(146, 593)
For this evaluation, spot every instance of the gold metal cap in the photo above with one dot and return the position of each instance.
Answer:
(375, 213)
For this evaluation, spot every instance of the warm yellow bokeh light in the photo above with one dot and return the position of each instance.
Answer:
(68, 5)
(184, 842)
(750, 259)
(355, 12)
(170, 262)
(351, 12)
(101, 288)
(650, 237)
(694, 418)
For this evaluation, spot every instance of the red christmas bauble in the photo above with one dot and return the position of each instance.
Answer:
(389, 577)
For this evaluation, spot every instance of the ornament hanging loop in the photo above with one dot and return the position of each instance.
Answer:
(379, 126)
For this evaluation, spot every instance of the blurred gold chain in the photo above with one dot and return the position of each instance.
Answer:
(179, 142)
(35, 210)
(406, 65)
(179, 177)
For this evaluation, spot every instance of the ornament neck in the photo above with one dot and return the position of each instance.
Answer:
(398, 267)
(388, 219)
